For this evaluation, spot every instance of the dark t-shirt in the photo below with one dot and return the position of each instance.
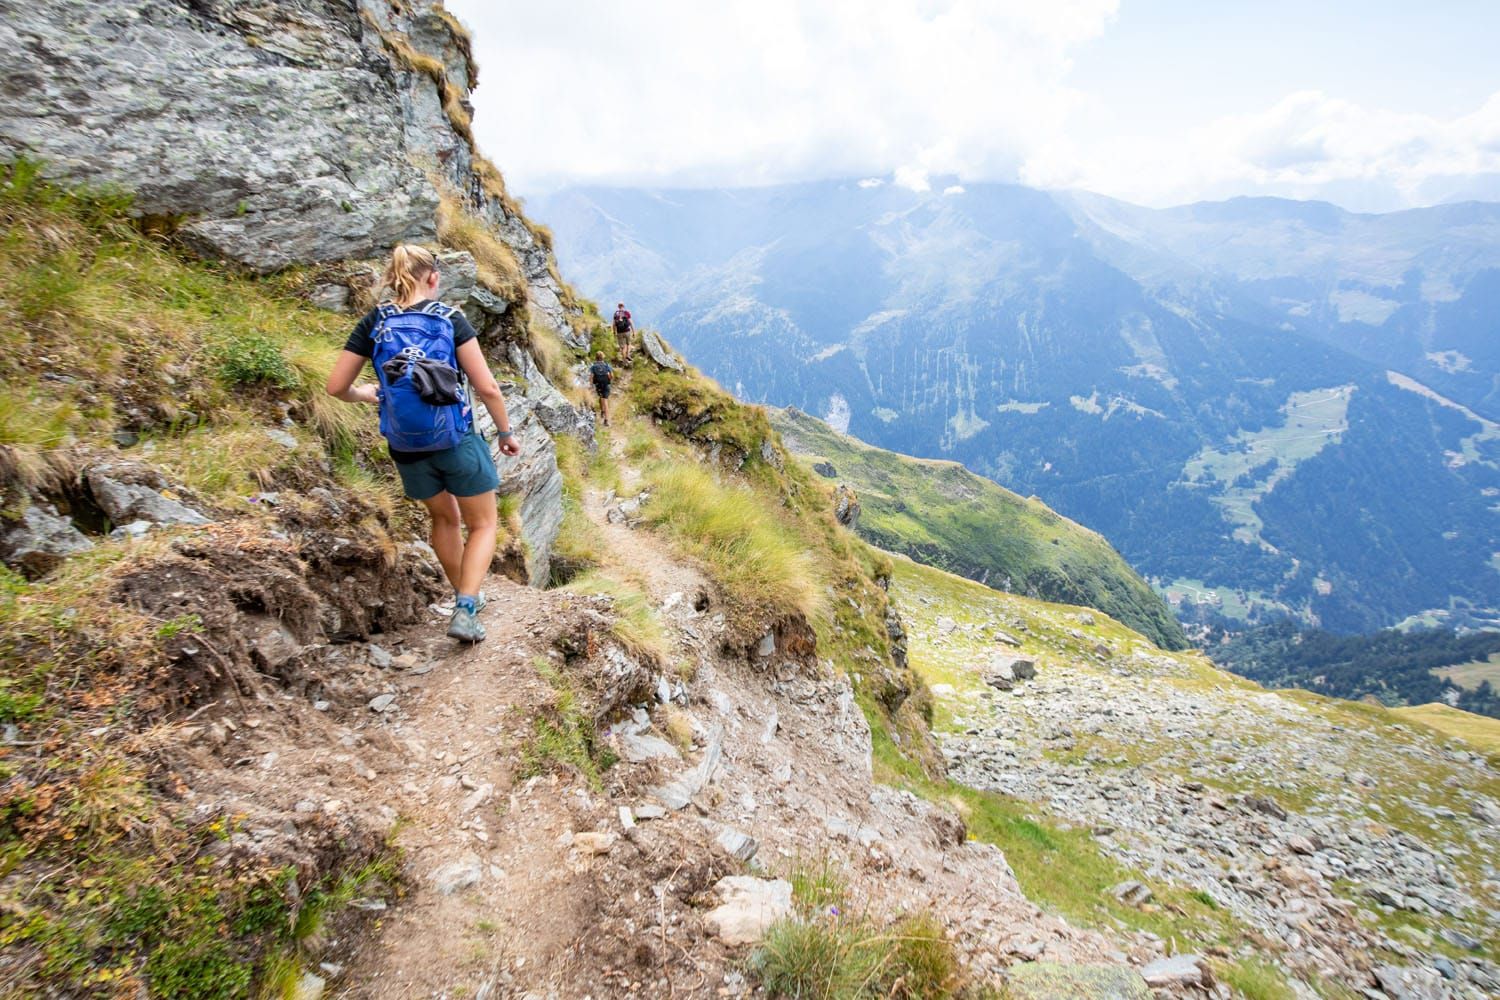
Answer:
(362, 342)
(602, 373)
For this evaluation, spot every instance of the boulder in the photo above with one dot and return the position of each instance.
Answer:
(749, 907)
(1405, 983)
(128, 492)
(1053, 981)
(39, 540)
(1006, 668)
(825, 469)
(846, 506)
(1177, 971)
(1132, 893)
(1266, 806)
(244, 123)
(657, 351)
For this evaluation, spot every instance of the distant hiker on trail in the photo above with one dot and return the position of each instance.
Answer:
(624, 333)
(422, 352)
(604, 377)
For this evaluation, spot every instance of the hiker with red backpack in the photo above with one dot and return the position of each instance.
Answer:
(624, 333)
(426, 356)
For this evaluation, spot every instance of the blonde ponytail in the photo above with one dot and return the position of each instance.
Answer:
(409, 267)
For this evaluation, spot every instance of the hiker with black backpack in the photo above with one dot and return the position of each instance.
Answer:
(624, 333)
(603, 377)
(426, 358)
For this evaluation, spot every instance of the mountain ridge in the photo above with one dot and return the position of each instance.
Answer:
(989, 327)
(967, 525)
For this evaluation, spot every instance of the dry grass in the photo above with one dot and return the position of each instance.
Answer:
(636, 625)
(463, 40)
(753, 553)
(499, 270)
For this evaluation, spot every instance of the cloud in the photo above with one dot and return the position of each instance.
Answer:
(1307, 145)
(739, 92)
(757, 91)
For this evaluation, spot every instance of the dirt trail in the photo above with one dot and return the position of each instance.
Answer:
(505, 900)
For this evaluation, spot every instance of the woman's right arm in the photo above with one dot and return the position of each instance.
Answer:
(341, 380)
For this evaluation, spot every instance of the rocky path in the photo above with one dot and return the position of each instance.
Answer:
(550, 886)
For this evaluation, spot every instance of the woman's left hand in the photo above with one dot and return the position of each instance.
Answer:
(367, 393)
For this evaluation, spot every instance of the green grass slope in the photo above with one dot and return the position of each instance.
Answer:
(940, 514)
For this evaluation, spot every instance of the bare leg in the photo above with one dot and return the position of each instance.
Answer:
(447, 537)
(604, 409)
(479, 516)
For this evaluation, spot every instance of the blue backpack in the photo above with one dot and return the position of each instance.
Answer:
(411, 348)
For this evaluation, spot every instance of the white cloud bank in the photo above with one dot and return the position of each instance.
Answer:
(1309, 145)
(738, 92)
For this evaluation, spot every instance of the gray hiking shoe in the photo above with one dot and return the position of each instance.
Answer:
(479, 602)
(464, 626)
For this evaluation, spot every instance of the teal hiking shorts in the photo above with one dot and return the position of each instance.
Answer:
(465, 470)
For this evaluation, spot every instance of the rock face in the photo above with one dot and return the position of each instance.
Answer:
(298, 150)
(277, 133)
(532, 476)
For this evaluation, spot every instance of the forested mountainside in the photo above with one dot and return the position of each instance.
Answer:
(1265, 405)
(1397, 668)
(940, 514)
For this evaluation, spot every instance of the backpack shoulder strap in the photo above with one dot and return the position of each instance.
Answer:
(440, 309)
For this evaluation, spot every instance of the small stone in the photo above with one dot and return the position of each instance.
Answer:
(331, 969)
(767, 645)
(281, 437)
(382, 702)
(1266, 805)
(321, 706)
(650, 810)
(1300, 845)
(594, 842)
(740, 846)
(1132, 893)
(308, 987)
(477, 798)
(380, 657)
(627, 818)
(456, 876)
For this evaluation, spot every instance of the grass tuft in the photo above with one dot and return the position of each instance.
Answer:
(635, 625)
(755, 555)
(563, 736)
(843, 958)
(499, 270)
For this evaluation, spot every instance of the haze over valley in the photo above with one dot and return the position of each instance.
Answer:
(1267, 405)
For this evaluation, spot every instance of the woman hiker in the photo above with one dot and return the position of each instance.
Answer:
(418, 347)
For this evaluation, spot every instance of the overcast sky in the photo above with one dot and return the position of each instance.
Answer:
(1374, 104)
